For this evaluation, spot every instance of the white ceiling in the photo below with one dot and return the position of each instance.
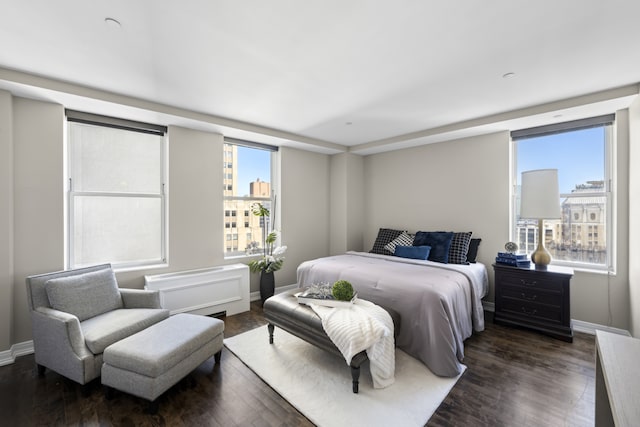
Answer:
(328, 75)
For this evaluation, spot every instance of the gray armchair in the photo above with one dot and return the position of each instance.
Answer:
(76, 314)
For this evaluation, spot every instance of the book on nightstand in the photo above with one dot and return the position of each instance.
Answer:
(514, 260)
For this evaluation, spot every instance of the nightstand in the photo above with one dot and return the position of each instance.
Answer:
(535, 299)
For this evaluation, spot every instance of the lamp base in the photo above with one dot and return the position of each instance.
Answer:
(541, 257)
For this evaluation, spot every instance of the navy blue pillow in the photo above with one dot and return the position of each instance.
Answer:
(473, 250)
(440, 242)
(413, 252)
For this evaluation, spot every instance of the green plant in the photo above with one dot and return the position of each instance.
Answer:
(342, 290)
(272, 257)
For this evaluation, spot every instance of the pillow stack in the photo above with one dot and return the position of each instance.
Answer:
(445, 247)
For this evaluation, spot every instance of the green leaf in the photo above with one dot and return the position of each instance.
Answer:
(258, 209)
(271, 238)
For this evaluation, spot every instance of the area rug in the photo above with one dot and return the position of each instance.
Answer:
(318, 383)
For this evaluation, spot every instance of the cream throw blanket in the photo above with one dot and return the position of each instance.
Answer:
(363, 326)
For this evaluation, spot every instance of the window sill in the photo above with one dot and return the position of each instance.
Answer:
(242, 257)
(127, 269)
(587, 269)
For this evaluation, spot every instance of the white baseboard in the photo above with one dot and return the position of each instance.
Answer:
(9, 356)
(591, 328)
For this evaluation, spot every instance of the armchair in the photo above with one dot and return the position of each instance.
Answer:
(76, 314)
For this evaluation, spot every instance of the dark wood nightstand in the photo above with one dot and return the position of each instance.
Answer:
(536, 299)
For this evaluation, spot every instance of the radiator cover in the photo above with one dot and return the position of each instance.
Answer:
(204, 291)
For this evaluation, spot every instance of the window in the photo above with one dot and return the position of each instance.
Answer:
(581, 151)
(248, 177)
(116, 201)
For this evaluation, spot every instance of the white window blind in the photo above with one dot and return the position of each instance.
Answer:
(116, 196)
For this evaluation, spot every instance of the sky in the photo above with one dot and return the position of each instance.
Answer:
(252, 164)
(578, 156)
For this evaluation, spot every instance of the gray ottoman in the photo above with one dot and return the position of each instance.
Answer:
(148, 363)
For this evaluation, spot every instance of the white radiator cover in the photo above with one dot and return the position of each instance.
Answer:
(205, 291)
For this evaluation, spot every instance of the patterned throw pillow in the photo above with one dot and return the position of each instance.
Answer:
(404, 239)
(385, 236)
(459, 248)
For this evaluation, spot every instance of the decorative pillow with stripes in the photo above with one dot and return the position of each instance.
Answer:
(404, 239)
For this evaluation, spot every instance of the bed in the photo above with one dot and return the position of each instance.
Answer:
(439, 304)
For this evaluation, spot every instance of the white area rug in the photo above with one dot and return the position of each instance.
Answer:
(318, 383)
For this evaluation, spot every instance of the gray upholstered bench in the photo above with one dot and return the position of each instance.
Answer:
(284, 311)
(148, 363)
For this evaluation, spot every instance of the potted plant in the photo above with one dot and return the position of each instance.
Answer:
(272, 257)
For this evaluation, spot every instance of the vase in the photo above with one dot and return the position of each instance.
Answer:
(267, 285)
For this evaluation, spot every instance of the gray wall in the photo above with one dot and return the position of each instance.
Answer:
(304, 185)
(38, 240)
(6, 219)
(458, 185)
(634, 218)
(347, 203)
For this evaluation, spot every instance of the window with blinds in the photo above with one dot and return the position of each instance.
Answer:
(116, 192)
(581, 150)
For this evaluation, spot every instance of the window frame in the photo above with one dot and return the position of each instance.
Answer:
(609, 123)
(273, 199)
(72, 116)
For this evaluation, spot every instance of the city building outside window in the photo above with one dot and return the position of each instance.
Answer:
(581, 151)
(248, 177)
(116, 197)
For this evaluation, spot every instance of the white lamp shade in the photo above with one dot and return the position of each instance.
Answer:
(539, 194)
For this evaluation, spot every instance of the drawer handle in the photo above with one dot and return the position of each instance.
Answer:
(524, 282)
(530, 298)
(529, 312)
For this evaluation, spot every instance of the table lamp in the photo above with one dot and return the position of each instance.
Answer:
(540, 199)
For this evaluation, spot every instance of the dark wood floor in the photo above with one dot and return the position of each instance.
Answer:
(514, 378)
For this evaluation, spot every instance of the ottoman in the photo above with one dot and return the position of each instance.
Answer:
(148, 363)
(284, 311)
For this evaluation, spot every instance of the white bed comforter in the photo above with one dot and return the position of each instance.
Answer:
(439, 304)
(364, 326)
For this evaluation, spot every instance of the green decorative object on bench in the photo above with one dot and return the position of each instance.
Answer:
(342, 290)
